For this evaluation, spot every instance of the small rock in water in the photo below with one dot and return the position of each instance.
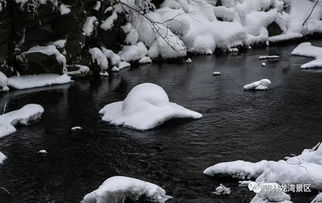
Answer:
(216, 73)
(263, 64)
(222, 190)
(42, 151)
(76, 128)
(189, 60)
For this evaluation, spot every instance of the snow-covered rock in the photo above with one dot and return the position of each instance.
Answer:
(3, 82)
(2, 157)
(49, 51)
(222, 190)
(302, 169)
(43, 151)
(108, 22)
(306, 49)
(146, 106)
(133, 52)
(317, 199)
(99, 58)
(258, 85)
(26, 115)
(82, 70)
(64, 9)
(119, 188)
(33, 81)
(89, 26)
(216, 73)
(76, 128)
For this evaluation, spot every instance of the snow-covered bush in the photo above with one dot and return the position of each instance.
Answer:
(306, 49)
(145, 107)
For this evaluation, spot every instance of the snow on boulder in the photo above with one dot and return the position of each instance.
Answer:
(120, 188)
(2, 157)
(145, 107)
(302, 169)
(3, 82)
(317, 199)
(89, 26)
(108, 22)
(222, 190)
(81, 70)
(258, 85)
(306, 49)
(133, 52)
(64, 9)
(33, 81)
(99, 58)
(49, 50)
(28, 114)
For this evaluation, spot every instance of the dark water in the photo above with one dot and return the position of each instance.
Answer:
(236, 125)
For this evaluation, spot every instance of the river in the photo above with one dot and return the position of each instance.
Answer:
(236, 124)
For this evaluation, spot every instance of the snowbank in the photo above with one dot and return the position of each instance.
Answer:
(306, 49)
(49, 51)
(145, 107)
(26, 115)
(33, 81)
(2, 157)
(119, 188)
(133, 52)
(258, 85)
(3, 82)
(302, 169)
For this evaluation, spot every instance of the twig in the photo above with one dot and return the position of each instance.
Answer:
(316, 3)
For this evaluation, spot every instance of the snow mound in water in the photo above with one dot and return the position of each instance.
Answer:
(306, 49)
(24, 116)
(146, 106)
(119, 188)
(258, 85)
(265, 197)
(302, 169)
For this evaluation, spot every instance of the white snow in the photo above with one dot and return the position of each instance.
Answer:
(24, 116)
(222, 190)
(2, 157)
(33, 81)
(42, 151)
(82, 70)
(189, 60)
(302, 169)
(268, 57)
(64, 9)
(258, 85)
(216, 73)
(133, 52)
(145, 107)
(76, 128)
(145, 60)
(317, 199)
(263, 64)
(49, 51)
(3, 82)
(60, 43)
(99, 58)
(97, 6)
(308, 50)
(118, 188)
(89, 26)
(108, 22)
